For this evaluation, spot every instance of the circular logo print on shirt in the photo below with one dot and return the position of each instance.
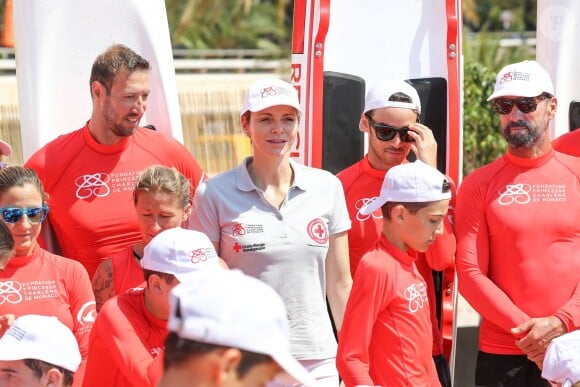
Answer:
(87, 313)
(317, 231)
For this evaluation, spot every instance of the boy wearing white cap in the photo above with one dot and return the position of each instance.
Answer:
(127, 339)
(228, 335)
(390, 118)
(38, 351)
(518, 235)
(386, 337)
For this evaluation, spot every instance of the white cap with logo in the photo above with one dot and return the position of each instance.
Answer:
(42, 338)
(228, 308)
(562, 359)
(179, 251)
(270, 92)
(379, 96)
(522, 79)
(414, 182)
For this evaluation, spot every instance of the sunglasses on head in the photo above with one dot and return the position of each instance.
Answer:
(386, 132)
(524, 104)
(14, 214)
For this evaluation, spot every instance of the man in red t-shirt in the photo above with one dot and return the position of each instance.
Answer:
(518, 235)
(390, 118)
(127, 340)
(90, 173)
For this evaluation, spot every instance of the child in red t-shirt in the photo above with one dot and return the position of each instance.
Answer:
(386, 336)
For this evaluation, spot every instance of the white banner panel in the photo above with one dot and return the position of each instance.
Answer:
(558, 50)
(56, 44)
(379, 39)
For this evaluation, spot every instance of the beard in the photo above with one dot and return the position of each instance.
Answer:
(522, 138)
(113, 124)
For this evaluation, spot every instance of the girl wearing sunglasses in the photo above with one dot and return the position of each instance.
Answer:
(283, 223)
(35, 281)
(162, 201)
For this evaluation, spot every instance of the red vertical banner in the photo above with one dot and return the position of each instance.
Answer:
(455, 84)
(311, 18)
(318, 84)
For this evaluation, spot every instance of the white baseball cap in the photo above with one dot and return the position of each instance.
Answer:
(522, 79)
(562, 359)
(5, 148)
(228, 308)
(414, 182)
(179, 251)
(42, 338)
(380, 94)
(270, 92)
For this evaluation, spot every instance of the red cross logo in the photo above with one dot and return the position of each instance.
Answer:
(237, 247)
(317, 231)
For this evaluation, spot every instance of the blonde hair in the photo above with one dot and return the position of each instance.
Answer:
(161, 179)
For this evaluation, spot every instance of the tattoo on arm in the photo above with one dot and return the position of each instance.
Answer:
(103, 283)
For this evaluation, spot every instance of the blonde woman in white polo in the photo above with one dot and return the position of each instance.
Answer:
(285, 224)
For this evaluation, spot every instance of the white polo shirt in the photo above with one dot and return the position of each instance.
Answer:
(286, 247)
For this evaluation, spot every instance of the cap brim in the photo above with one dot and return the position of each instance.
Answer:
(293, 370)
(208, 265)
(515, 93)
(271, 102)
(371, 206)
(9, 353)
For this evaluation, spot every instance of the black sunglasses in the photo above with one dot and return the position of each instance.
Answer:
(387, 132)
(14, 214)
(524, 104)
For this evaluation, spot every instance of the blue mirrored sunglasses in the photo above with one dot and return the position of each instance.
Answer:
(14, 214)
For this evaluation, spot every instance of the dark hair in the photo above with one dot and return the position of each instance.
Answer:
(17, 176)
(6, 242)
(169, 278)
(396, 97)
(40, 368)
(413, 208)
(116, 58)
(161, 179)
(178, 350)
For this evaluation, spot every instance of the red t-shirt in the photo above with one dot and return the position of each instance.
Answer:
(46, 284)
(127, 273)
(385, 338)
(568, 143)
(518, 233)
(126, 345)
(91, 187)
(361, 182)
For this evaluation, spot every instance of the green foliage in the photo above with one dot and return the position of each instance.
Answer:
(235, 24)
(487, 14)
(482, 140)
